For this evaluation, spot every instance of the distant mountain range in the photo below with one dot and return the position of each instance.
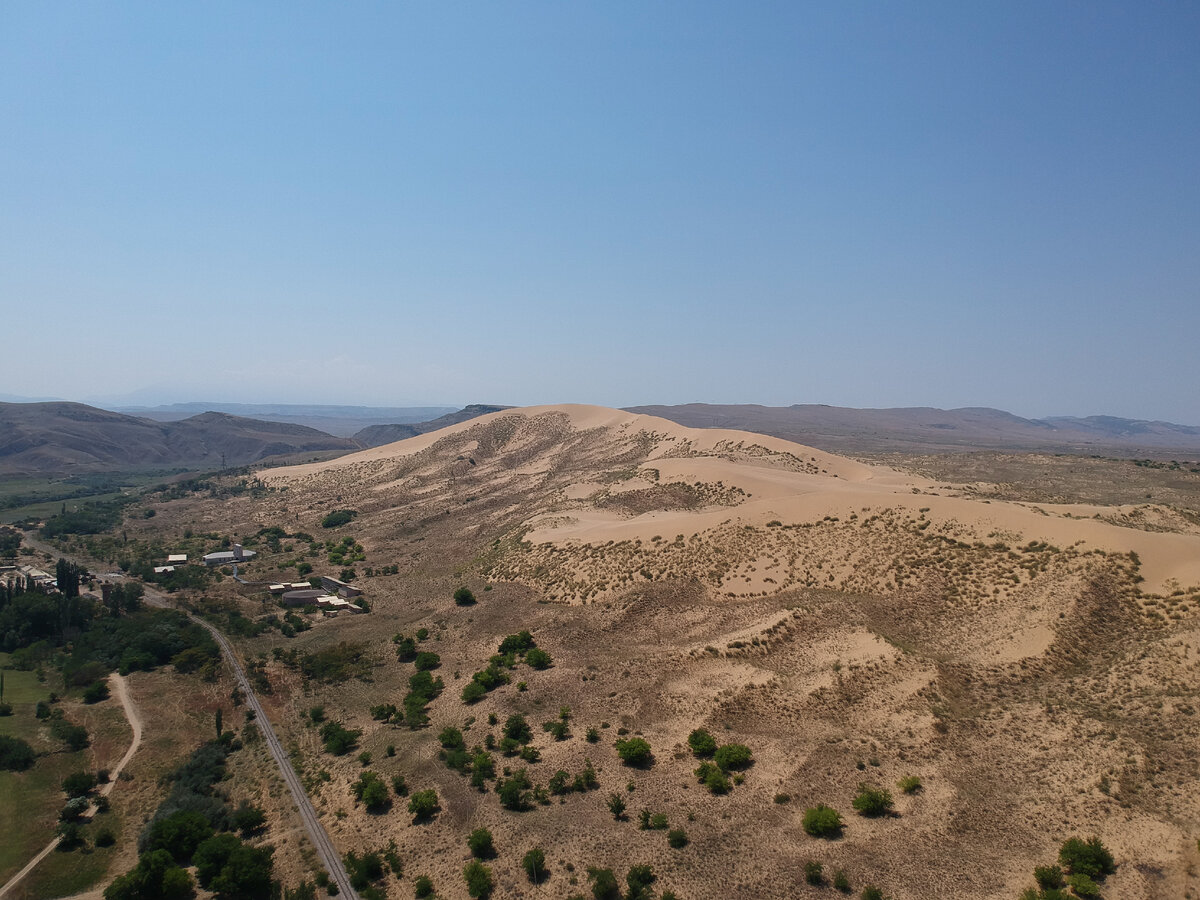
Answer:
(924, 429)
(60, 438)
(342, 421)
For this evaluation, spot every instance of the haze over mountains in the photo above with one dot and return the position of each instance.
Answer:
(61, 437)
(925, 429)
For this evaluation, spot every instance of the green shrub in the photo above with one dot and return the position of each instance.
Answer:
(539, 658)
(729, 757)
(1048, 876)
(423, 887)
(105, 837)
(534, 864)
(814, 872)
(909, 784)
(464, 596)
(1083, 885)
(372, 792)
(423, 805)
(338, 517)
(870, 892)
(872, 801)
(702, 743)
(517, 729)
(78, 784)
(1090, 857)
(473, 692)
(338, 740)
(480, 844)
(479, 880)
(399, 785)
(841, 881)
(426, 661)
(822, 821)
(616, 806)
(713, 778)
(604, 884)
(95, 692)
(635, 752)
(677, 838)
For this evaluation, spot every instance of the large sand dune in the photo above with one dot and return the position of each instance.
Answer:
(747, 480)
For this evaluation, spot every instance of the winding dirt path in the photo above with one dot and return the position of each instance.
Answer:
(135, 723)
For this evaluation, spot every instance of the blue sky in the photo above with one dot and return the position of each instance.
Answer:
(938, 204)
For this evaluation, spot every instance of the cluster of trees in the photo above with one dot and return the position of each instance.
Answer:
(90, 518)
(718, 761)
(1082, 866)
(194, 826)
(638, 881)
(514, 648)
(339, 517)
(336, 664)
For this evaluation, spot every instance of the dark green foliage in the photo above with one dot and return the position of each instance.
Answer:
(479, 880)
(338, 517)
(384, 712)
(249, 819)
(246, 875)
(483, 768)
(639, 879)
(593, 735)
(870, 892)
(1088, 857)
(604, 884)
(70, 836)
(78, 784)
(702, 743)
(464, 596)
(96, 692)
(1083, 885)
(872, 801)
(105, 837)
(15, 754)
(534, 864)
(616, 806)
(179, 834)
(155, 877)
(635, 752)
(677, 838)
(711, 776)
(426, 661)
(423, 887)
(74, 736)
(730, 757)
(1048, 876)
(338, 740)
(822, 821)
(336, 664)
(399, 785)
(473, 692)
(558, 729)
(451, 738)
(516, 793)
(539, 658)
(89, 518)
(814, 872)
(479, 842)
(517, 729)
(517, 643)
(423, 805)
(192, 790)
(212, 854)
(423, 688)
(406, 648)
(841, 881)
(372, 792)
(364, 869)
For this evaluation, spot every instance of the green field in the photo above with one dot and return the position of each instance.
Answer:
(22, 689)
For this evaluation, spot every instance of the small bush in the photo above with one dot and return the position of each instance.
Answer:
(423, 805)
(539, 658)
(677, 838)
(841, 881)
(534, 864)
(635, 752)
(730, 757)
(1048, 876)
(872, 801)
(909, 784)
(105, 837)
(338, 517)
(814, 872)
(702, 743)
(480, 844)
(870, 892)
(822, 821)
(96, 692)
(423, 887)
(479, 880)
(1090, 858)
(464, 596)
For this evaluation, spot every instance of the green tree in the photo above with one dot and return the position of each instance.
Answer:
(15, 754)
(246, 875)
(479, 879)
(702, 743)
(872, 801)
(729, 757)
(822, 821)
(539, 658)
(249, 819)
(1088, 857)
(517, 729)
(423, 804)
(480, 844)
(534, 864)
(212, 854)
(371, 790)
(464, 596)
(635, 752)
(179, 834)
(78, 784)
(155, 876)
(604, 884)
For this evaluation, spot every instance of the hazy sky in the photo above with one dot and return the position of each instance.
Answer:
(944, 204)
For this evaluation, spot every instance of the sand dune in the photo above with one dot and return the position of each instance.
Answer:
(762, 479)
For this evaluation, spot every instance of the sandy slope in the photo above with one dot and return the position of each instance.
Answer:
(778, 480)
